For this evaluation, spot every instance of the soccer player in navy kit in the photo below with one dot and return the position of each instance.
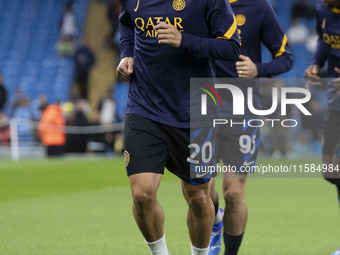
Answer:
(164, 44)
(257, 23)
(328, 48)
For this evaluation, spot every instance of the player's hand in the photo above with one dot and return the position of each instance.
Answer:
(312, 76)
(246, 68)
(312, 72)
(337, 81)
(125, 68)
(168, 34)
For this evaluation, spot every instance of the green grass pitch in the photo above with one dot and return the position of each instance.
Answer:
(83, 207)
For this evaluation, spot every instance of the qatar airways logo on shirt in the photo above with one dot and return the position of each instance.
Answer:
(147, 24)
(301, 97)
(332, 40)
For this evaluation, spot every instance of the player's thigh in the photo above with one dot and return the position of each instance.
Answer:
(235, 182)
(144, 186)
(145, 149)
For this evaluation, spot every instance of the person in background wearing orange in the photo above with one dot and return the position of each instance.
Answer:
(51, 130)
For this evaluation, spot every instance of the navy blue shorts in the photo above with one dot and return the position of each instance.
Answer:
(150, 146)
(238, 146)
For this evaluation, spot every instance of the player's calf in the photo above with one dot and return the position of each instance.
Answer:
(235, 216)
(147, 211)
(200, 215)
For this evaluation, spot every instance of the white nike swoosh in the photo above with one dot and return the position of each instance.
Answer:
(198, 175)
(248, 163)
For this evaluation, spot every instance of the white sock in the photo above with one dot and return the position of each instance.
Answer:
(198, 251)
(158, 247)
(218, 217)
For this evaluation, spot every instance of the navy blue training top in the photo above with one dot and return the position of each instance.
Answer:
(160, 85)
(328, 48)
(257, 23)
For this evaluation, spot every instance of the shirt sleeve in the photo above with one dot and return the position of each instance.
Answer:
(275, 40)
(127, 37)
(223, 43)
(321, 53)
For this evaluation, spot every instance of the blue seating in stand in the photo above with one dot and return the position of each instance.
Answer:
(28, 58)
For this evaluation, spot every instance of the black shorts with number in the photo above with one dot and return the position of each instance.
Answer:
(151, 146)
(331, 133)
(238, 145)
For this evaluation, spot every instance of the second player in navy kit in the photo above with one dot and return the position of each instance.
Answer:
(164, 44)
(257, 23)
(328, 49)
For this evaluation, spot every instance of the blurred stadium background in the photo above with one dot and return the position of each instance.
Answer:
(80, 204)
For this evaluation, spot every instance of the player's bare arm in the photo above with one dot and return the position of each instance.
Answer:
(246, 68)
(125, 68)
(168, 34)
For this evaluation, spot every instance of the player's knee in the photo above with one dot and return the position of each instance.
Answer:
(199, 202)
(233, 198)
(142, 197)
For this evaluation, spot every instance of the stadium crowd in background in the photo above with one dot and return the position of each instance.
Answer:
(71, 46)
(84, 59)
(76, 113)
